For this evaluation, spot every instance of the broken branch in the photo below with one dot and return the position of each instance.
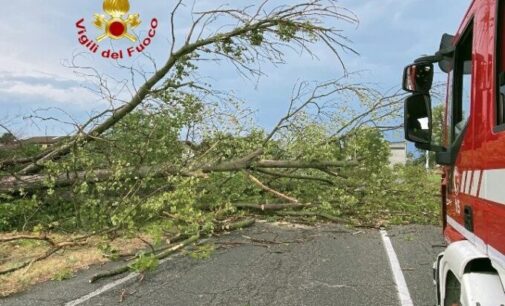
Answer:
(276, 193)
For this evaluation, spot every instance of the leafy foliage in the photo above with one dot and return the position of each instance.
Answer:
(144, 263)
(63, 275)
(203, 251)
(403, 195)
(7, 138)
(176, 126)
(366, 193)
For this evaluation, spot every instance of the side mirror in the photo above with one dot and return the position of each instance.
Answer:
(418, 77)
(418, 119)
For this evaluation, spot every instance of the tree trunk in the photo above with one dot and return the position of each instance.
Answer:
(31, 183)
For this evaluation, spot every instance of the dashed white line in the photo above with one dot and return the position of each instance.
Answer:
(401, 284)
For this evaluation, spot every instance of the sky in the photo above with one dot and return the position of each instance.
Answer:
(39, 41)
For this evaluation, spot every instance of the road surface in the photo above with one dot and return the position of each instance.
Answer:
(325, 265)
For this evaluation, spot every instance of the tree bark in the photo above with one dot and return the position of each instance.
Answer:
(299, 164)
(268, 207)
(276, 193)
(161, 255)
(310, 214)
(31, 183)
(295, 177)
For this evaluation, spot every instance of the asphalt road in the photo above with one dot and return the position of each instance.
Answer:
(326, 265)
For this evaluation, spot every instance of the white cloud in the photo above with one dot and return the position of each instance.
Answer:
(70, 96)
(391, 33)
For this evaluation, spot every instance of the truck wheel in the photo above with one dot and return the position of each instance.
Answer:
(452, 291)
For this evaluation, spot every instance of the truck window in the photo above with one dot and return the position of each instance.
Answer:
(462, 92)
(500, 65)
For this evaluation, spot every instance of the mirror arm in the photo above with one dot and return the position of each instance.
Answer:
(429, 59)
(445, 158)
(437, 57)
(436, 148)
(448, 52)
(443, 155)
(431, 147)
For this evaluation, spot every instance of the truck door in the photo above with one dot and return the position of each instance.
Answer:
(460, 214)
(493, 177)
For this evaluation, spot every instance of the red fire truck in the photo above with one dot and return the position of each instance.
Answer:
(471, 271)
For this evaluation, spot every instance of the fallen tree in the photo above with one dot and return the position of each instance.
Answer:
(173, 99)
(31, 183)
(179, 160)
(143, 157)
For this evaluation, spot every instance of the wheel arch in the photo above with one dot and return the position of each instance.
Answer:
(459, 258)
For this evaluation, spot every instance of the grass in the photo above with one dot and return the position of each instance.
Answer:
(63, 275)
(60, 266)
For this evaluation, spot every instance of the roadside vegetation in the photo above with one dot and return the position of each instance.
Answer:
(180, 161)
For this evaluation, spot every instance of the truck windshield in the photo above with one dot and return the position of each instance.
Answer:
(500, 45)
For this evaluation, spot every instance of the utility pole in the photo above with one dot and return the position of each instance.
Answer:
(427, 157)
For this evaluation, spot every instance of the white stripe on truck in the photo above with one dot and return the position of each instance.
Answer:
(474, 189)
(485, 184)
(468, 183)
(492, 187)
(478, 242)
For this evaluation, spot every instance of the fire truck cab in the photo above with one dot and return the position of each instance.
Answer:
(471, 271)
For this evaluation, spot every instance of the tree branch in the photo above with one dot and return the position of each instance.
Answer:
(276, 193)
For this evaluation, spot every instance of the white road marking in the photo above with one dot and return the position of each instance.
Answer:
(101, 290)
(401, 284)
(116, 283)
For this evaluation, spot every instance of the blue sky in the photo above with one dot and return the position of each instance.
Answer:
(39, 37)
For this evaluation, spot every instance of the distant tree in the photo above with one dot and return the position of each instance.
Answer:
(438, 124)
(7, 138)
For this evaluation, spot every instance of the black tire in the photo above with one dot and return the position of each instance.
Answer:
(452, 291)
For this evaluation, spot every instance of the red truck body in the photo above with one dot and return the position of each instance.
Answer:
(477, 180)
(471, 271)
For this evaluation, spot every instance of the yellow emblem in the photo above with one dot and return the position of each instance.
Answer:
(116, 27)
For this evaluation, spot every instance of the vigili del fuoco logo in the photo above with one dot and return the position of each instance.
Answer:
(115, 24)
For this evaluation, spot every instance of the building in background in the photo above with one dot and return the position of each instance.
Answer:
(8, 141)
(398, 153)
